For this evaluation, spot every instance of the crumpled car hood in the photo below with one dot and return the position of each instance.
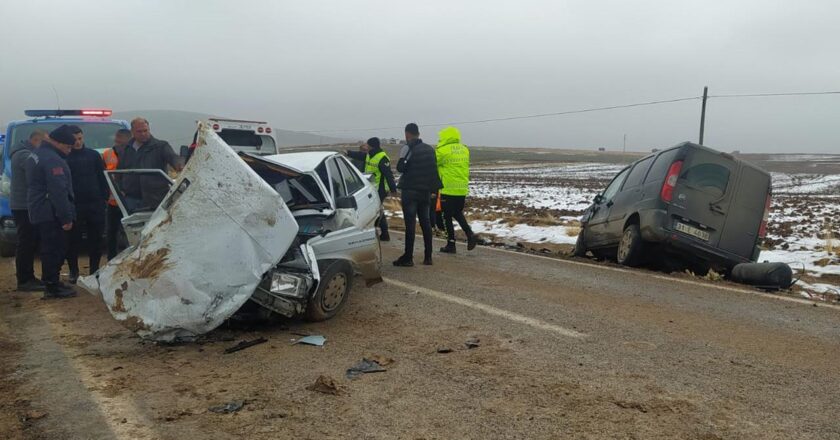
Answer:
(203, 252)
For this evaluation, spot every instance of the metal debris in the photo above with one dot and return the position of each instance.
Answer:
(245, 344)
(228, 408)
(364, 366)
(316, 340)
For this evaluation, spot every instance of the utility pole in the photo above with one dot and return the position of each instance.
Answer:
(624, 149)
(703, 114)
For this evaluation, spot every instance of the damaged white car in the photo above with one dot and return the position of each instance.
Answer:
(286, 232)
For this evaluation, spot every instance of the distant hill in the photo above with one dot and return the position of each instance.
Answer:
(177, 127)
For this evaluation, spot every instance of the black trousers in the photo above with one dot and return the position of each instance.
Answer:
(453, 208)
(90, 221)
(53, 250)
(27, 245)
(114, 227)
(416, 204)
(383, 220)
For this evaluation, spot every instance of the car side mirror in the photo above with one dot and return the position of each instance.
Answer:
(598, 199)
(370, 178)
(346, 202)
(185, 151)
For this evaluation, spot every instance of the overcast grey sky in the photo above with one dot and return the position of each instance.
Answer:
(308, 65)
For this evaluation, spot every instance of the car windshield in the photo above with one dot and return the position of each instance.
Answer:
(98, 135)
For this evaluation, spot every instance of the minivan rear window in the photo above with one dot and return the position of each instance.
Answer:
(661, 165)
(709, 177)
(636, 175)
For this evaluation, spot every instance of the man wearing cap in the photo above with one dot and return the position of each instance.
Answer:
(27, 234)
(90, 191)
(50, 204)
(377, 164)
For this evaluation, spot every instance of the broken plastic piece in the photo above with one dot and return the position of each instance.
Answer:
(364, 366)
(228, 408)
(316, 340)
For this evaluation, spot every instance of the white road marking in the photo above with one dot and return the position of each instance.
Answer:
(113, 409)
(659, 277)
(490, 310)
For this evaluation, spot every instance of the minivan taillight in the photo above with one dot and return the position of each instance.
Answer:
(667, 192)
(762, 231)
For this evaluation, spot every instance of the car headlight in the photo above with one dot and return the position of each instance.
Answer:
(5, 185)
(289, 284)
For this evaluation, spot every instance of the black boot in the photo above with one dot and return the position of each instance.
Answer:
(449, 248)
(404, 261)
(472, 241)
(74, 276)
(33, 285)
(58, 291)
(384, 237)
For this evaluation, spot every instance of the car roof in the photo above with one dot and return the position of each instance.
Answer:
(306, 161)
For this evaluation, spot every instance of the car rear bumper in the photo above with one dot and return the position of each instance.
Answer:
(656, 226)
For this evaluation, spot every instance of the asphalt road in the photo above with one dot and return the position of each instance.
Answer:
(565, 350)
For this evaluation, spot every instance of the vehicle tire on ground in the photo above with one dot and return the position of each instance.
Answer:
(580, 247)
(7, 249)
(333, 290)
(630, 248)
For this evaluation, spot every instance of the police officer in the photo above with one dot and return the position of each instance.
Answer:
(50, 204)
(453, 162)
(27, 244)
(378, 164)
(90, 191)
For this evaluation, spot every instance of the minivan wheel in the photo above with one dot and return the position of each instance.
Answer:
(630, 247)
(336, 280)
(580, 247)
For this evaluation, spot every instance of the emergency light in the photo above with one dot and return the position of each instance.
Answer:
(100, 112)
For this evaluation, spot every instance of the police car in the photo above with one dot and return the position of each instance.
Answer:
(99, 131)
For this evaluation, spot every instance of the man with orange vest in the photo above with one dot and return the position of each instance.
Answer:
(111, 157)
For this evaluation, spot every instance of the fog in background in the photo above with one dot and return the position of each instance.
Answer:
(342, 65)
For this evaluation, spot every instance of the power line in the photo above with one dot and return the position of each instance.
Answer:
(512, 118)
(756, 95)
(569, 112)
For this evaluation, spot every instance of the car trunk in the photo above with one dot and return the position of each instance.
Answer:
(178, 280)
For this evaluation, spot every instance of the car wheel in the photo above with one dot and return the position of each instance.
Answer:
(336, 280)
(7, 249)
(580, 247)
(630, 250)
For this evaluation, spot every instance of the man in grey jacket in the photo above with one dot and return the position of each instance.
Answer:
(27, 234)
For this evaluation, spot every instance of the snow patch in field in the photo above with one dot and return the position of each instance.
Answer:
(521, 232)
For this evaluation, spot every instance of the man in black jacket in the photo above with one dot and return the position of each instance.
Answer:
(144, 151)
(50, 203)
(377, 163)
(91, 194)
(419, 180)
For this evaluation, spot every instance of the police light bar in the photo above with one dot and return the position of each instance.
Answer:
(101, 112)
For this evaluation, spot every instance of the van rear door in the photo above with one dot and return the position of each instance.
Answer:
(703, 195)
(743, 221)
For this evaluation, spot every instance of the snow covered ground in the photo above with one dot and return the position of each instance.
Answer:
(542, 204)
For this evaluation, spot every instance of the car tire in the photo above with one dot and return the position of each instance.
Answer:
(333, 290)
(580, 246)
(7, 249)
(630, 248)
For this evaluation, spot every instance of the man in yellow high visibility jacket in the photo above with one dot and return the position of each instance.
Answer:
(378, 164)
(453, 162)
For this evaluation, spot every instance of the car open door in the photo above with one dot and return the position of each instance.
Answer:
(202, 252)
(136, 213)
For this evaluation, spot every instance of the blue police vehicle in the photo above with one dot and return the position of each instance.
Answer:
(99, 131)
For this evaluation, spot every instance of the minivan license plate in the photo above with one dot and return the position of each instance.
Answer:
(691, 230)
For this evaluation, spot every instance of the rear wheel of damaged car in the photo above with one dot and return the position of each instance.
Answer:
(580, 245)
(630, 248)
(333, 290)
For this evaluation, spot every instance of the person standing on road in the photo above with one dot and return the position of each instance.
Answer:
(111, 158)
(27, 234)
(378, 164)
(90, 190)
(453, 162)
(50, 203)
(418, 181)
(144, 151)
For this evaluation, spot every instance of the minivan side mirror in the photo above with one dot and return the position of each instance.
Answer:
(598, 199)
(346, 202)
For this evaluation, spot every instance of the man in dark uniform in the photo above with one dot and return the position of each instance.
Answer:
(418, 181)
(90, 190)
(146, 152)
(27, 244)
(50, 204)
(378, 164)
